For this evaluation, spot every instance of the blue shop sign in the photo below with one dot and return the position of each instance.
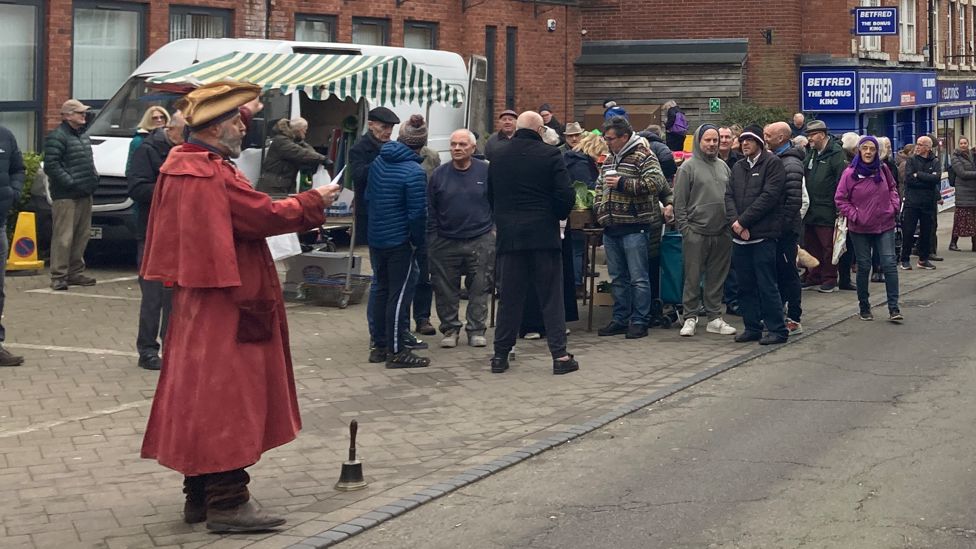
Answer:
(876, 21)
(957, 90)
(955, 111)
(829, 91)
(885, 90)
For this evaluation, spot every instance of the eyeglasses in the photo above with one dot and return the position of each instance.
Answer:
(159, 117)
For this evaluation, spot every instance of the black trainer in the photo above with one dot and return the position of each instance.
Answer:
(9, 359)
(773, 339)
(747, 336)
(866, 314)
(410, 341)
(636, 331)
(377, 355)
(894, 315)
(150, 363)
(560, 367)
(612, 329)
(499, 364)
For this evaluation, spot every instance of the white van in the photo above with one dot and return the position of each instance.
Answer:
(113, 213)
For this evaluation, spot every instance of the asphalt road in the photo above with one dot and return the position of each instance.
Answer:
(861, 436)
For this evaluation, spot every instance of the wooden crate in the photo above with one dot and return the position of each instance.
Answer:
(581, 219)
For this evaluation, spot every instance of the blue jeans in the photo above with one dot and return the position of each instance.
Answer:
(627, 262)
(759, 300)
(884, 245)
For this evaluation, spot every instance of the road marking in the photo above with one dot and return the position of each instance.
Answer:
(54, 423)
(74, 294)
(119, 279)
(86, 350)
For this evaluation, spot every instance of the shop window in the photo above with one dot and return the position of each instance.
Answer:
(375, 32)
(20, 97)
(107, 47)
(871, 43)
(420, 35)
(194, 22)
(937, 54)
(315, 28)
(908, 28)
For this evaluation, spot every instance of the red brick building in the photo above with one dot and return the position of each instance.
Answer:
(86, 49)
(639, 53)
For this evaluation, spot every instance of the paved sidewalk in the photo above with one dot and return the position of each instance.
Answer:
(74, 414)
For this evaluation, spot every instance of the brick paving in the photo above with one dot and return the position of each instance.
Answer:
(72, 418)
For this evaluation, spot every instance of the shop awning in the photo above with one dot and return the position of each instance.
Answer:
(383, 80)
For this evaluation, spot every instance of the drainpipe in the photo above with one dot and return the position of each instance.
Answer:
(267, 18)
(931, 33)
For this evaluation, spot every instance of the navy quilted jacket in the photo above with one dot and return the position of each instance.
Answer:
(397, 198)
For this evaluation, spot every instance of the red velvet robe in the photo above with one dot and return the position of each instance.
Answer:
(226, 392)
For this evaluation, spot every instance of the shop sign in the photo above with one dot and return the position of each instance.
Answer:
(884, 90)
(876, 21)
(955, 111)
(829, 91)
(957, 90)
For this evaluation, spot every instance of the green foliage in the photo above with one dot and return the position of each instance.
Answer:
(744, 114)
(32, 163)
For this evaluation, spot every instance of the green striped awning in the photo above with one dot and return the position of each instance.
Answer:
(383, 80)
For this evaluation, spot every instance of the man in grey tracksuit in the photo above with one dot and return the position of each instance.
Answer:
(699, 213)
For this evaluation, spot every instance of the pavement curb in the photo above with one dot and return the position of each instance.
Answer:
(399, 507)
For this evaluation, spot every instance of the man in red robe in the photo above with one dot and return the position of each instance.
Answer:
(227, 392)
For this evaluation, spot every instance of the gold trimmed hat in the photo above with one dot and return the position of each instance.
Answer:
(216, 102)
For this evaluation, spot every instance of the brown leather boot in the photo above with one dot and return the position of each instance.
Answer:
(194, 512)
(243, 518)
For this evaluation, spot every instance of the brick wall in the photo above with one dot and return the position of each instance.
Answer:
(544, 59)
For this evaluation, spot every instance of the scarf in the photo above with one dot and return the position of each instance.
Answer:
(865, 169)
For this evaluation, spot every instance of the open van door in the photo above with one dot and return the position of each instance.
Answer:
(477, 117)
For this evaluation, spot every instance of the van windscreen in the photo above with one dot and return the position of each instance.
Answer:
(120, 116)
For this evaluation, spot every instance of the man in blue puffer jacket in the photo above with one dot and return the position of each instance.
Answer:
(397, 202)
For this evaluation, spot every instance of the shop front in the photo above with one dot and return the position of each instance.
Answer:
(895, 104)
(957, 105)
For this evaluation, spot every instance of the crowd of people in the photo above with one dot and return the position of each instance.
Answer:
(748, 202)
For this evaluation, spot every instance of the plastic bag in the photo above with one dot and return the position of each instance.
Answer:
(283, 246)
(840, 239)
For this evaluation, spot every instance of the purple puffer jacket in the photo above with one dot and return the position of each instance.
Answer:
(869, 206)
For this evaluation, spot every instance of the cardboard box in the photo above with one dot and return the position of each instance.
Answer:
(603, 299)
(317, 265)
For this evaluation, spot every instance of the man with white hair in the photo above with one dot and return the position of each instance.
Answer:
(799, 124)
(923, 175)
(528, 188)
(461, 241)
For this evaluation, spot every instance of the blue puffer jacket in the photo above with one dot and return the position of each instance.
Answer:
(397, 198)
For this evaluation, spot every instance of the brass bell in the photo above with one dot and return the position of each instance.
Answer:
(351, 477)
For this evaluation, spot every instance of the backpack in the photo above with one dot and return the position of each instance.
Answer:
(680, 123)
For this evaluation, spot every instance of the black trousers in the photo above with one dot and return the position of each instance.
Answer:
(392, 269)
(543, 270)
(913, 217)
(790, 288)
(154, 309)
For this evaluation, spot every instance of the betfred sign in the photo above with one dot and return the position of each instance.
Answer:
(876, 21)
(829, 91)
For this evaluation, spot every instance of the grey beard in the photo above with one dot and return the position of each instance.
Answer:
(232, 145)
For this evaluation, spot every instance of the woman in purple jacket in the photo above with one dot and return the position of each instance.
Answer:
(867, 196)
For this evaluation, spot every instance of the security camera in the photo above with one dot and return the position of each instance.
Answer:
(551, 25)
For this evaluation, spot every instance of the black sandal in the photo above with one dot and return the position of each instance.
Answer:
(406, 359)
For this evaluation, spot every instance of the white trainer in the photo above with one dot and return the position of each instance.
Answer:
(450, 341)
(533, 335)
(689, 327)
(478, 341)
(720, 326)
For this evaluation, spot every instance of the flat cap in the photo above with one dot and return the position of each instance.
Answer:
(815, 126)
(73, 105)
(508, 112)
(384, 115)
(217, 102)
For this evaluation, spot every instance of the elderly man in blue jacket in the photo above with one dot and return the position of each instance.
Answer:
(397, 201)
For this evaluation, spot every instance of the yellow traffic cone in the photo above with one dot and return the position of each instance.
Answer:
(23, 248)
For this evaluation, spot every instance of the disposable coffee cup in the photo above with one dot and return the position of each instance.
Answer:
(609, 173)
